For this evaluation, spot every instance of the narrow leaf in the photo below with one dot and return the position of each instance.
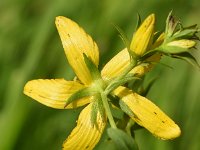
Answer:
(188, 58)
(121, 139)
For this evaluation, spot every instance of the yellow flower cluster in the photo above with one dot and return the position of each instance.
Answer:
(55, 92)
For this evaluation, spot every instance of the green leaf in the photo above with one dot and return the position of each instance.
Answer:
(106, 145)
(85, 92)
(163, 64)
(92, 67)
(122, 139)
(188, 58)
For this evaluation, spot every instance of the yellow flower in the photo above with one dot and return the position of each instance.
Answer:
(55, 92)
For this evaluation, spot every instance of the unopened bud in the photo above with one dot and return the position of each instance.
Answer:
(143, 35)
(182, 43)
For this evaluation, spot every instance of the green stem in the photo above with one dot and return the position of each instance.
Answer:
(129, 125)
(127, 70)
(121, 76)
(108, 111)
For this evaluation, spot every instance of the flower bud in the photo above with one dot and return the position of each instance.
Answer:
(141, 39)
(182, 43)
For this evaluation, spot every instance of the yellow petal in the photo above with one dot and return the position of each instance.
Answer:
(116, 65)
(158, 41)
(85, 135)
(148, 115)
(139, 70)
(141, 39)
(76, 42)
(54, 92)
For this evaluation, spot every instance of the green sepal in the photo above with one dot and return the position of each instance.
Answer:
(126, 42)
(94, 113)
(97, 107)
(186, 33)
(126, 109)
(85, 92)
(123, 36)
(171, 24)
(188, 58)
(118, 83)
(92, 67)
(122, 139)
(139, 21)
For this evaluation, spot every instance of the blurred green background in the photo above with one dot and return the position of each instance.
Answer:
(30, 48)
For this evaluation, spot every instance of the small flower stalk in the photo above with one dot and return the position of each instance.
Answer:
(102, 92)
